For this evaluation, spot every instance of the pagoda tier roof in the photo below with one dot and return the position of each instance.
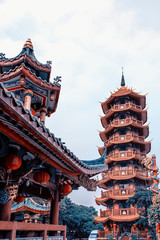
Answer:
(42, 87)
(110, 127)
(24, 128)
(135, 174)
(23, 69)
(141, 113)
(146, 145)
(116, 218)
(27, 54)
(101, 201)
(30, 205)
(124, 91)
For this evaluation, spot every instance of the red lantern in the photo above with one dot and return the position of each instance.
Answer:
(41, 177)
(65, 189)
(12, 162)
(19, 199)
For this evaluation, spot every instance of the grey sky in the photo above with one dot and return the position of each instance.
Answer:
(88, 42)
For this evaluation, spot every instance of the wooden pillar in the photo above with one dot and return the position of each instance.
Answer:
(27, 98)
(43, 112)
(54, 213)
(5, 211)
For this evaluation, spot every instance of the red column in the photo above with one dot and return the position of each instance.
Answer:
(5, 211)
(54, 213)
(43, 112)
(28, 93)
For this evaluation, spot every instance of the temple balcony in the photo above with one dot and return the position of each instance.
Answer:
(117, 194)
(118, 215)
(124, 175)
(117, 123)
(124, 155)
(129, 137)
(124, 107)
(123, 122)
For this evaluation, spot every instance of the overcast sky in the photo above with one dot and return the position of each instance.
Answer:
(88, 42)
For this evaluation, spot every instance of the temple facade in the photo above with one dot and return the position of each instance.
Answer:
(34, 163)
(125, 133)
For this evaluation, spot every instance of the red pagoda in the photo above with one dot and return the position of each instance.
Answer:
(34, 163)
(124, 134)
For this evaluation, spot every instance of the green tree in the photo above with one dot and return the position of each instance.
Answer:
(143, 199)
(78, 218)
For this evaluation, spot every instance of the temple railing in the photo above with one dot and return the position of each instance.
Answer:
(124, 155)
(123, 138)
(117, 192)
(125, 106)
(123, 173)
(120, 212)
(124, 122)
(11, 228)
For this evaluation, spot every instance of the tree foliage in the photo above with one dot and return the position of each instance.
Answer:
(143, 199)
(78, 218)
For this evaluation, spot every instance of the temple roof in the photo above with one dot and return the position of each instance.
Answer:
(30, 205)
(32, 132)
(27, 50)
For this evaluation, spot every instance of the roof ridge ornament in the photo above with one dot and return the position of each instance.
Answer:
(122, 79)
(28, 43)
(2, 55)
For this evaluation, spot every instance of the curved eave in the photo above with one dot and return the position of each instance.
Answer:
(26, 208)
(124, 92)
(124, 218)
(143, 128)
(113, 159)
(146, 145)
(40, 67)
(65, 160)
(121, 218)
(22, 69)
(142, 113)
(12, 62)
(101, 183)
(22, 56)
(101, 220)
(100, 200)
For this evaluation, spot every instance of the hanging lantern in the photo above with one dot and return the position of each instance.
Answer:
(41, 177)
(65, 189)
(12, 162)
(19, 199)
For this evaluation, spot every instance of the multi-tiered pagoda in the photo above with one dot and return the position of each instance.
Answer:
(125, 133)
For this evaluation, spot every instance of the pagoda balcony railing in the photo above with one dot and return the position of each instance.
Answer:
(139, 233)
(124, 155)
(125, 173)
(103, 234)
(126, 137)
(125, 106)
(123, 122)
(117, 192)
(120, 212)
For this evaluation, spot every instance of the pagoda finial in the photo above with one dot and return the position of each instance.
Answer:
(122, 79)
(28, 43)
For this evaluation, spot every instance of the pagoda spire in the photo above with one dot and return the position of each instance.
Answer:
(122, 79)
